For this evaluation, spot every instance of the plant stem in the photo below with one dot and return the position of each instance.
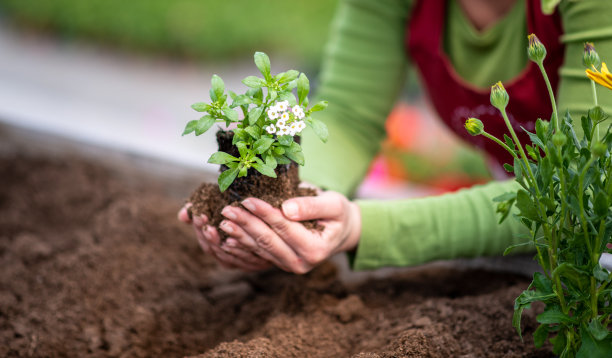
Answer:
(496, 140)
(551, 94)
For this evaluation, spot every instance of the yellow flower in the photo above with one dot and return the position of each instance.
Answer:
(604, 77)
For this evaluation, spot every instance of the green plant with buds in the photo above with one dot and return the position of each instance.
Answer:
(564, 201)
(272, 117)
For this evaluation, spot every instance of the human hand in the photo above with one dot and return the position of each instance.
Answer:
(280, 238)
(210, 242)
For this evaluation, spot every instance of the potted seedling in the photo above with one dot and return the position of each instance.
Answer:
(259, 147)
(564, 201)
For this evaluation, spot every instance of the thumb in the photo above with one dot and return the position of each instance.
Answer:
(328, 205)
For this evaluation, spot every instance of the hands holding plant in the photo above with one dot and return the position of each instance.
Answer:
(261, 235)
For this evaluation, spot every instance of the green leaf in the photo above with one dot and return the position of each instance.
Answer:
(509, 142)
(271, 161)
(319, 106)
(253, 131)
(222, 158)
(288, 76)
(303, 87)
(241, 100)
(262, 61)
(511, 248)
(592, 348)
(242, 149)
(601, 204)
(554, 316)
(518, 169)
(540, 335)
(262, 144)
(597, 329)
(516, 320)
(509, 168)
(577, 277)
(587, 126)
(534, 139)
(218, 86)
(230, 114)
(204, 124)
(243, 172)
(526, 205)
(272, 94)
(542, 283)
(190, 127)
(264, 169)
(289, 97)
(285, 140)
(294, 152)
(320, 129)
(201, 106)
(227, 178)
(254, 115)
(254, 82)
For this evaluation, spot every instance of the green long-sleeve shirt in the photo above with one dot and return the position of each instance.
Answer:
(363, 71)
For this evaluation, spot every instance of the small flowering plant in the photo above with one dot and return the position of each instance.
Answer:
(267, 119)
(564, 201)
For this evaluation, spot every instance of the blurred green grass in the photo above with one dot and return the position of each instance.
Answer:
(200, 29)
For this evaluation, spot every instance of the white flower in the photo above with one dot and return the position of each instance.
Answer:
(282, 106)
(281, 122)
(271, 129)
(282, 131)
(298, 111)
(294, 128)
(301, 125)
(272, 113)
(285, 116)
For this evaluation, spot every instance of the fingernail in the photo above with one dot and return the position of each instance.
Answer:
(225, 226)
(231, 243)
(228, 213)
(248, 204)
(198, 221)
(290, 209)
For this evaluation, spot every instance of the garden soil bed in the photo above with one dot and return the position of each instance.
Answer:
(94, 266)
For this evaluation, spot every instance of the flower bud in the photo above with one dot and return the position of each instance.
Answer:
(474, 126)
(599, 149)
(499, 96)
(590, 58)
(559, 139)
(536, 50)
(597, 114)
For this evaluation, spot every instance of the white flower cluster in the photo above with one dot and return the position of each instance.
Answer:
(285, 120)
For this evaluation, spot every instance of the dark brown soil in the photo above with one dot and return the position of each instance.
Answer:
(92, 267)
(208, 200)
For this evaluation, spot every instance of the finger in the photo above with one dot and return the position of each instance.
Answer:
(183, 214)
(268, 242)
(211, 235)
(234, 248)
(328, 205)
(237, 233)
(230, 261)
(202, 241)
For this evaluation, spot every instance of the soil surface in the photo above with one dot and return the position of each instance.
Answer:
(94, 267)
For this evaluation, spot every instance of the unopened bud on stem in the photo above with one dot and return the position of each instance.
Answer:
(474, 126)
(559, 139)
(599, 149)
(536, 50)
(590, 58)
(499, 96)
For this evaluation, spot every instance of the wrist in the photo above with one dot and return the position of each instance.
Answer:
(354, 227)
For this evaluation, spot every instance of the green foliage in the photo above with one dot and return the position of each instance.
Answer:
(271, 118)
(206, 29)
(565, 202)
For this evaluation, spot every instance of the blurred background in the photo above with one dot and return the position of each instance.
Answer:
(123, 74)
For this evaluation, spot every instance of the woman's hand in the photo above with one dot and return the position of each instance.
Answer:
(277, 236)
(210, 242)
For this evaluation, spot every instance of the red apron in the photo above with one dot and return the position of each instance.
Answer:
(455, 100)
